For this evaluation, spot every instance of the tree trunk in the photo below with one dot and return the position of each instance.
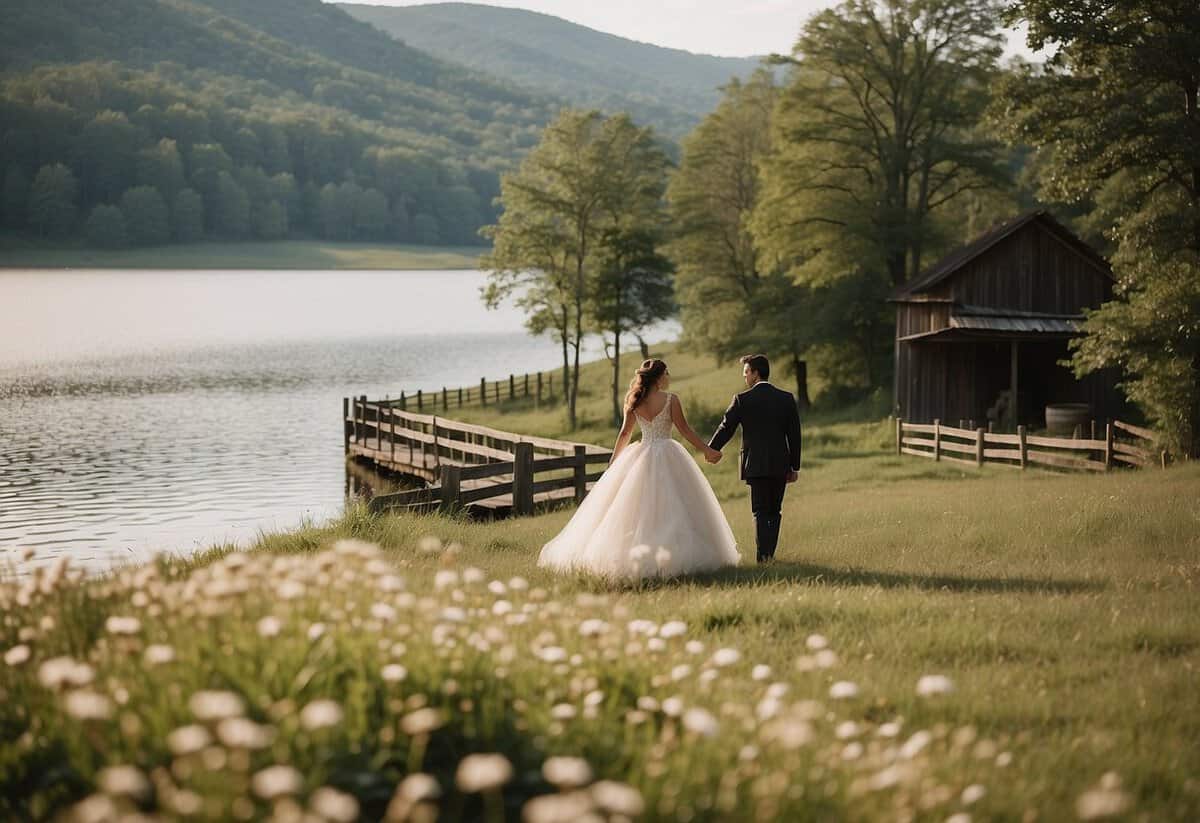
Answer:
(1193, 447)
(801, 369)
(616, 386)
(566, 336)
(642, 345)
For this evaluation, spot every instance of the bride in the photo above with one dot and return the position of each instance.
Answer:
(652, 513)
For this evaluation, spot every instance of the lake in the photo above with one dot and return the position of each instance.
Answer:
(146, 411)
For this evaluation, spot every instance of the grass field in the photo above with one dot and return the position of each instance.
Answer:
(1060, 609)
(284, 254)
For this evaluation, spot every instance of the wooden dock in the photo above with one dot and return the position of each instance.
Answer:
(462, 465)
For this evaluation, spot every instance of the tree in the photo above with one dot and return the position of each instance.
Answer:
(1115, 116)
(633, 289)
(232, 204)
(15, 196)
(145, 213)
(52, 201)
(105, 227)
(108, 150)
(270, 220)
(187, 216)
(371, 215)
(555, 208)
(161, 166)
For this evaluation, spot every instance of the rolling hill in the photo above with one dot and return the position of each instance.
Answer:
(667, 88)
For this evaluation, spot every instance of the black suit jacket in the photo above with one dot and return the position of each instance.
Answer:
(770, 431)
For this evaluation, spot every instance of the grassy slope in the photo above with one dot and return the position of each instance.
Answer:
(287, 254)
(1062, 606)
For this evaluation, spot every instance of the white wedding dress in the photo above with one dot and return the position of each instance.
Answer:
(651, 514)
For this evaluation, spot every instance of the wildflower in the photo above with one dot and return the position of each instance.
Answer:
(188, 739)
(558, 808)
(240, 733)
(934, 684)
(63, 671)
(216, 705)
(662, 558)
(553, 654)
(846, 730)
(269, 626)
(593, 698)
(694, 647)
(852, 751)
(518, 584)
(445, 578)
(126, 781)
(289, 590)
(843, 690)
(382, 611)
(419, 786)
(334, 805)
(789, 732)
(157, 654)
(959, 817)
(17, 655)
(972, 794)
(472, 575)
(748, 752)
(825, 659)
(567, 772)
(592, 627)
(393, 673)
(422, 721)
(497, 587)
(647, 703)
(915, 744)
(563, 711)
(889, 729)
(680, 671)
(646, 627)
(320, 714)
(315, 631)
(88, 705)
(1104, 800)
(726, 657)
(277, 781)
(672, 628)
(816, 642)
(618, 798)
(700, 721)
(672, 707)
(452, 614)
(94, 808)
(122, 625)
(760, 672)
(483, 772)
(429, 545)
(1003, 759)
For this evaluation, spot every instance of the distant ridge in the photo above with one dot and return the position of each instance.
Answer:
(670, 89)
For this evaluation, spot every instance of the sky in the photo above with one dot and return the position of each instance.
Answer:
(734, 28)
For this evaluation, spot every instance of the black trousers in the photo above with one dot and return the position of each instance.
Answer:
(766, 501)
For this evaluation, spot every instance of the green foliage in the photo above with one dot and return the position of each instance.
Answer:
(14, 197)
(187, 216)
(1115, 117)
(282, 87)
(52, 201)
(105, 227)
(146, 218)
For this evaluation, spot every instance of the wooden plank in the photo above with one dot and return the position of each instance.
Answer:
(964, 461)
(466, 496)
(1064, 443)
(598, 457)
(1131, 459)
(1138, 431)
(479, 471)
(1002, 454)
(1127, 449)
(550, 464)
(1003, 439)
(915, 452)
(1061, 461)
(960, 448)
(919, 428)
(918, 441)
(965, 434)
(567, 482)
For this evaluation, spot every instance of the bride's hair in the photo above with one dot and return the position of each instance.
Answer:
(647, 375)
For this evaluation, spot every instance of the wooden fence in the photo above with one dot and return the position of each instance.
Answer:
(469, 466)
(537, 385)
(1123, 443)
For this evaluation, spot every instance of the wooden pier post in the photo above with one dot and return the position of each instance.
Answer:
(979, 435)
(392, 431)
(937, 440)
(451, 483)
(899, 433)
(420, 401)
(522, 484)
(580, 473)
(378, 427)
(460, 397)
(483, 390)
(1023, 446)
(345, 425)
(403, 404)
(445, 399)
(512, 387)
(437, 458)
(1108, 445)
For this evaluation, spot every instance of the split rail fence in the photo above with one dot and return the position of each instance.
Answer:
(1123, 443)
(537, 385)
(467, 466)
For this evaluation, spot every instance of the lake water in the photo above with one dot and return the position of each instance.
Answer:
(149, 411)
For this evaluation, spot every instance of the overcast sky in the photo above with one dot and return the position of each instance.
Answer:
(726, 27)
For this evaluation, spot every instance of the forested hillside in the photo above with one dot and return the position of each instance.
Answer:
(667, 88)
(145, 121)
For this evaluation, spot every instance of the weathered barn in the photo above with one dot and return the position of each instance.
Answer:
(980, 334)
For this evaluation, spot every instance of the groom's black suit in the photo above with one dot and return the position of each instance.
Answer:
(770, 449)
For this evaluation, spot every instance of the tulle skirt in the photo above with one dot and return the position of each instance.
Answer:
(652, 514)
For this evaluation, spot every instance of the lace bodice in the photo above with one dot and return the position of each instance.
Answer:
(660, 427)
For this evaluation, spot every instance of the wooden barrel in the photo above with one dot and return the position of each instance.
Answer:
(1062, 418)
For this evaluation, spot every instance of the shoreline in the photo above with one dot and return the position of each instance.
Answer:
(301, 255)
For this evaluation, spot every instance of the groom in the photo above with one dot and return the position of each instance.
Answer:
(770, 455)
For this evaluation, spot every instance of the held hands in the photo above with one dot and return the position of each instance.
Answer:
(711, 455)
(792, 475)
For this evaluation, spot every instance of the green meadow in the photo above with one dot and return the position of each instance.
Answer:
(933, 643)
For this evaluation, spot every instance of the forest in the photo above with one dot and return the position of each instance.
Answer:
(131, 123)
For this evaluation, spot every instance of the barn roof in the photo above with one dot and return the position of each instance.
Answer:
(952, 262)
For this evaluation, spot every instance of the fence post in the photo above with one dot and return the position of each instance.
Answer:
(497, 392)
(451, 483)
(420, 400)
(345, 425)
(539, 388)
(979, 434)
(899, 433)
(460, 397)
(437, 457)
(526, 378)
(550, 387)
(378, 427)
(937, 440)
(445, 399)
(483, 390)
(403, 403)
(1108, 445)
(580, 473)
(392, 431)
(1022, 446)
(522, 485)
